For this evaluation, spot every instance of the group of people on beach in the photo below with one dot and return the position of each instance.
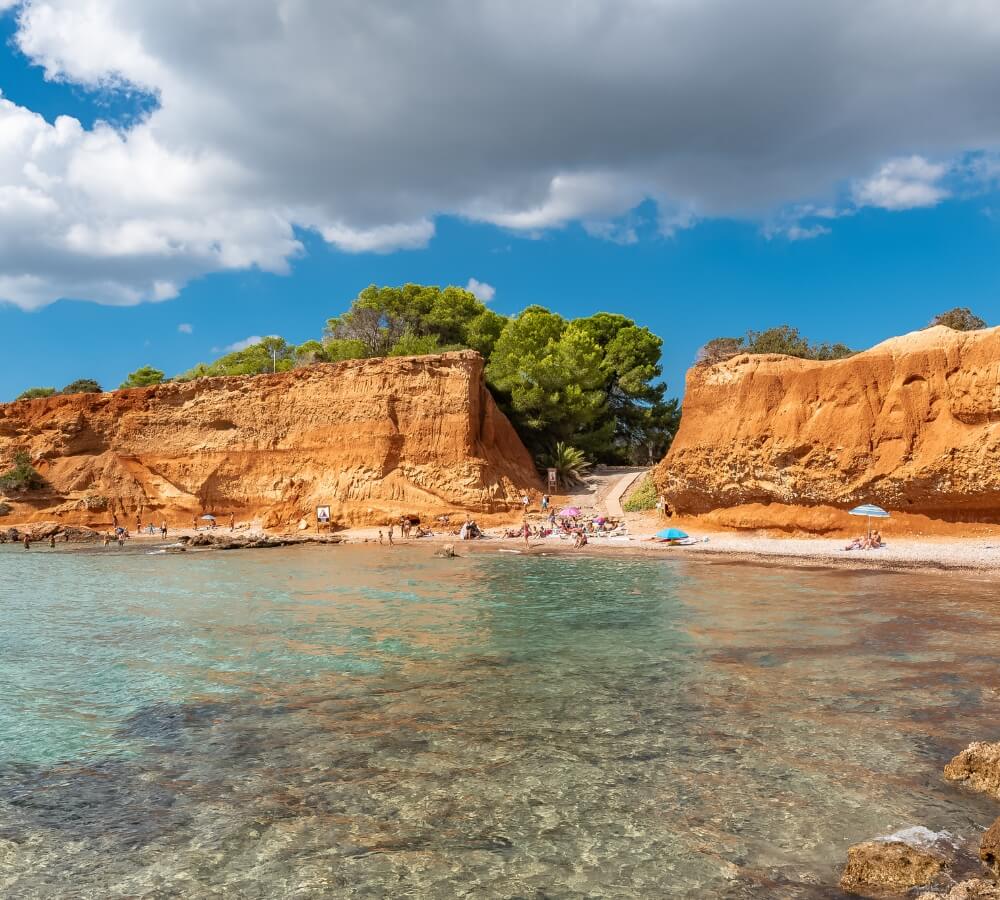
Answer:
(409, 526)
(871, 541)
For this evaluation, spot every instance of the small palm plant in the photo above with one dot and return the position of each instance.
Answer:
(570, 464)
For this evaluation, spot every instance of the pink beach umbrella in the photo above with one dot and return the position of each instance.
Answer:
(570, 512)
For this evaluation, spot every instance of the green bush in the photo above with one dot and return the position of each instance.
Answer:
(23, 476)
(83, 386)
(35, 392)
(643, 497)
(961, 318)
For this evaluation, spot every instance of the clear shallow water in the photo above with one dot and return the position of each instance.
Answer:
(354, 722)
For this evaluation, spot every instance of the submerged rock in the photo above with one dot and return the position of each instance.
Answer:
(447, 552)
(977, 767)
(877, 868)
(976, 889)
(989, 848)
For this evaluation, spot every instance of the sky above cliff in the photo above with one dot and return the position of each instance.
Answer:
(176, 178)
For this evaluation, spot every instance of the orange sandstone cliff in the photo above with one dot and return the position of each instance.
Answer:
(371, 439)
(912, 425)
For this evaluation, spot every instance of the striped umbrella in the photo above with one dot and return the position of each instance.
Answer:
(870, 511)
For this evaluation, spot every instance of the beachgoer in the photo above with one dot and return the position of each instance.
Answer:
(876, 540)
(163, 529)
(194, 523)
(232, 521)
(107, 538)
(27, 541)
(527, 533)
(525, 502)
(66, 537)
(52, 540)
(545, 502)
(381, 539)
(391, 529)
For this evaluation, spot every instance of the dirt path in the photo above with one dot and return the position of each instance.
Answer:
(599, 492)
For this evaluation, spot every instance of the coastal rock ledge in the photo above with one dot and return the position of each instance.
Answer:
(371, 439)
(912, 425)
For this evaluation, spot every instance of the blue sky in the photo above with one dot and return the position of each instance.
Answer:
(900, 248)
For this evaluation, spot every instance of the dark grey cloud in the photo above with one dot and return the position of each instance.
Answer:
(364, 119)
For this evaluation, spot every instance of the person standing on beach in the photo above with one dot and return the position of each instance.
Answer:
(27, 541)
(381, 537)
(545, 502)
(107, 539)
(163, 529)
(390, 533)
(52, 541)
(194, 523)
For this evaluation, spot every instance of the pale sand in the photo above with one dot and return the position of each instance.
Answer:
(968, 554)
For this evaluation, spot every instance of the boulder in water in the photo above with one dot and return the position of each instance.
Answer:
(877, 868)
(989, 848)
(447, 552)
(977, 767)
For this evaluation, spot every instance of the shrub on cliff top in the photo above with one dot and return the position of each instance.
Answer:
(83, 386)
(783, 340)
(143, 377)
(961, 318)
(35, 392)
(23, 476)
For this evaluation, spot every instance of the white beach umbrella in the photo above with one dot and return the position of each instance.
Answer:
(870, 511)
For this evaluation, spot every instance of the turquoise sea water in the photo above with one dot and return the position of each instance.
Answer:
(366, 722)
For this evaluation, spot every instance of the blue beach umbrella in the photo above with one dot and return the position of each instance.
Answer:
(672, 534)
(870, 511)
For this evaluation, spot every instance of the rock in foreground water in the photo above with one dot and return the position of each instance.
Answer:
(989, 848)
(977, 767)
(877, 868)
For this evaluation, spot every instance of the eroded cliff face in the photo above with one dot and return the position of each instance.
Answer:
(912, 425)
(371, 439)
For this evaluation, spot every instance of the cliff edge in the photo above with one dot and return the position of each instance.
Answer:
(912, 425)
(371, 439)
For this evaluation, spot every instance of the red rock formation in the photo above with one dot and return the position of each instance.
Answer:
(371, 439)
(912, 425)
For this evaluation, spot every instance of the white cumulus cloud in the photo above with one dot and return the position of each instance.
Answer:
(274, 116)
(185, 328)
(903, 184)
(484, 291)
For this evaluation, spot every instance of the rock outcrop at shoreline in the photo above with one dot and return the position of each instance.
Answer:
(371, 439)
(912, 425)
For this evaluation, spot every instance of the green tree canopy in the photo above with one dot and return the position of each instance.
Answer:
(592, 383)
(961, 318)
(83, 386)
(380, 317)
(270, 354)
(143, 377)
(35, 392)
(549, 373)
